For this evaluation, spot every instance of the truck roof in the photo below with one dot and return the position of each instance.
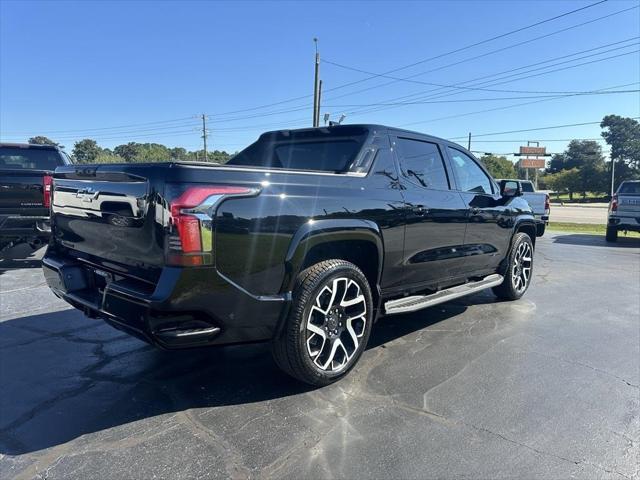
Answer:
(29, 145)
(369, 126)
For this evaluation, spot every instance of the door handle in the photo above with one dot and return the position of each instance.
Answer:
(419, 209)
(475, 210)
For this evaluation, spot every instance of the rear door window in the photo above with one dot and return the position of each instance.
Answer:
(422, 163)
(527, 187)
(16, 158)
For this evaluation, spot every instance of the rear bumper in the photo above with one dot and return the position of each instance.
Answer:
(624, 223)
(24, 226)
(188, 307)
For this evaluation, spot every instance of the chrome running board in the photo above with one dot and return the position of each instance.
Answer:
(418, 302)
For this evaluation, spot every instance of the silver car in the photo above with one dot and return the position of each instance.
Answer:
(624, 210)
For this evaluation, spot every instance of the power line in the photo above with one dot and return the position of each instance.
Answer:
(305, 107)
(482, 42)
(498, 108)
(541, 140)
(477, 56)
(462, 87)
(106, 128)
(359, 81)
(466, 100)
(534, 129)
(501, 81)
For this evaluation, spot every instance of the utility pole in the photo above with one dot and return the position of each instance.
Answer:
(317, 119)
(316, 88)
(469, 142)
(613, 171)
(204, 136)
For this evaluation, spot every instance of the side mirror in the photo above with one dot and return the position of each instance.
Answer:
(510, 188)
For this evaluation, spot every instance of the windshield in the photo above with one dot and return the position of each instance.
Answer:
(322, 149)
(12, 158)
(630, 188)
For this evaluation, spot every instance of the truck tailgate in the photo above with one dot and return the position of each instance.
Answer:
(628, 205)
(21, 192)
(107, 214)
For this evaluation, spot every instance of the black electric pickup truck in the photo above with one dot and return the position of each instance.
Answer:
(25, 183)
(303, 239)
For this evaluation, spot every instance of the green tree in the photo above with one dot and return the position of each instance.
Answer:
(499, 167)
(623, 135)
(565, 181)
(143, 152)
(178, 153)
(128, 151)
(42, 140)
(108, 157)
(86, 151)
(586, 157)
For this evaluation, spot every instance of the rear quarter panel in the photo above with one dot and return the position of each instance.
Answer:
(253, 235)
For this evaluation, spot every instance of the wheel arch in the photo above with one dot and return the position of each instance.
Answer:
(354, 240)
(526, 226)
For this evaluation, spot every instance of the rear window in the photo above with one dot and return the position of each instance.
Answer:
(323, 149)
(527, 187)
(629, 188)
(15, 158)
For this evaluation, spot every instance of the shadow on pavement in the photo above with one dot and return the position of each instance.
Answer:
(64, 376)
(21, 256)
(596, 240)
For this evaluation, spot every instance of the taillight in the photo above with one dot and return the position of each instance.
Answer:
(191, 239)
(547, 204)
(46, 190)
(613, 206)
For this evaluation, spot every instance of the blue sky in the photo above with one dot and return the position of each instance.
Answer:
(140, 71)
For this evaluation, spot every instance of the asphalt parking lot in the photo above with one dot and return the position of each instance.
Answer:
(545, 387)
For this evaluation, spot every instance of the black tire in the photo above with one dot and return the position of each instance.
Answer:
(612, 234)
(515, 285)
(293, 348)
(540, 229)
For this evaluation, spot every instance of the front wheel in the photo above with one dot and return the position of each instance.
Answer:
(519, 270)
(329, 323)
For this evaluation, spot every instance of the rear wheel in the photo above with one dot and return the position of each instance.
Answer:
(612, 234)
(540, 229)
(329, 323)
(519, 271)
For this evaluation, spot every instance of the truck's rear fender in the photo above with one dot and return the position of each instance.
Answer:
(356, 240)
(526, 224)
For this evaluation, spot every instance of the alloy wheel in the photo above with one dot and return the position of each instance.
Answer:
(521, 268)
(336, 324)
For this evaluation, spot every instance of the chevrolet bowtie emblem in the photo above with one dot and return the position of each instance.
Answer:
(87, 194)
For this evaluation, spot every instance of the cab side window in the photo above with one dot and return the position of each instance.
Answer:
(422, 163)
(470, 177)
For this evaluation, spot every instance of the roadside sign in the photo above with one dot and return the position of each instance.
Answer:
(533, 151)
(532, 163)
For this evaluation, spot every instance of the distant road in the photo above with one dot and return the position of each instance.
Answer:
(589, 213)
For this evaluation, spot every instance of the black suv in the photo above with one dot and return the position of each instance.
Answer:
(303, 239)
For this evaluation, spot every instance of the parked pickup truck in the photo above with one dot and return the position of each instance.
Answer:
(303, 239)
(624, 210)
(25, 182)
(539, 203)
